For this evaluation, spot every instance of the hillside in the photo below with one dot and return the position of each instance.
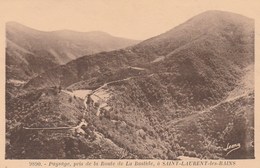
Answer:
(30, 52)
(229, 41)
(187, 92)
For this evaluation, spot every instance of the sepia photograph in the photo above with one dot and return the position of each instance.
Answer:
(129, 80)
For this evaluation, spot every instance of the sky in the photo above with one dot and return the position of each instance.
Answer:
(134, 19)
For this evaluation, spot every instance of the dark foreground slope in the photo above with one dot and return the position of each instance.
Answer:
(186, 92)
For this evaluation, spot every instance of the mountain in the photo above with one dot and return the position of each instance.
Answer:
(187, 92)
(30, 52)
(216, 45)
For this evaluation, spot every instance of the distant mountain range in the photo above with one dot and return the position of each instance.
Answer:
(187, 92)
(30, 52)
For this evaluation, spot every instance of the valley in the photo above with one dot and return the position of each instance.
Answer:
(185, 94)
